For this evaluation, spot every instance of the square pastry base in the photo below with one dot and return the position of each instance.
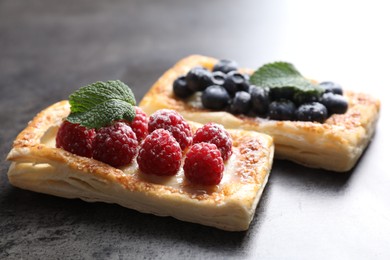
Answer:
(335, 145)
(38, 166)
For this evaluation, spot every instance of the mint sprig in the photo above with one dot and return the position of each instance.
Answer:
(283, 75)
(101, 103)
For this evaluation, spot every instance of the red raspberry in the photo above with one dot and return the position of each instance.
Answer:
(115, 145)
(139, 124)
(203, 164)
(160, 154)
(173, 122)
(75, 139)
(215, 134)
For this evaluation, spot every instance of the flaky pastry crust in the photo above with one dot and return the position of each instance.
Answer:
(335, 145)
(38, 166)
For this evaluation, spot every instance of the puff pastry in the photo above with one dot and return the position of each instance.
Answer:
(38, 166)
(335, 145)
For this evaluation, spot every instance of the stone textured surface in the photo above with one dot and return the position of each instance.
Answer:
(50, 48)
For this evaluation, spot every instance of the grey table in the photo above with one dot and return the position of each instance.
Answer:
(50, 48)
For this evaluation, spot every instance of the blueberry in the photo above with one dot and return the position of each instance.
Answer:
(198, 79)
(259, 99)
(236, 81)
(180, 87)
(336, 104)
(225, 66)
(313, 111)
(300, 97)
(329, 86)
(282, 109)
(282, 93)
(241, 103)
(218, 78)
(215, 97)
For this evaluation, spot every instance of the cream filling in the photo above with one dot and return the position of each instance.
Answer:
(195, 100)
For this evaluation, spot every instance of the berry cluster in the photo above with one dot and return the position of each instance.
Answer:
(158, 143)
(226, 89)
(115, 144)
(170, 135)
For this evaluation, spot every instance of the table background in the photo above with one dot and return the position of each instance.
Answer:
(50, 48)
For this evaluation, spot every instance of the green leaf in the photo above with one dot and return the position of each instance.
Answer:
(101, 103)
(281, 75)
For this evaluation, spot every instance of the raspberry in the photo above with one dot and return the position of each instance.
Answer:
(215, 134)
(173, 122)
(139, 124)
(203, 164)
(75, 139)
(160, 154)
(115, 145)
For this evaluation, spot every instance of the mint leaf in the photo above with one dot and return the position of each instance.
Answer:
(100, 103)
(87, 97)
(282, 75)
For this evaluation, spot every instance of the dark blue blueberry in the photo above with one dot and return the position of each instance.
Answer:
(282, 93)
(282, 109)
(180, 87)
(336, 104)
(314, 112)
(198, 79)
(225, 66)
(241, 103)
(259, 99)
(329, 86)
(236, 81)
(218, 78)
(215, 97)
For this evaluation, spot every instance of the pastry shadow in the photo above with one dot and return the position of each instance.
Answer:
(294, 175)
(285, 173)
